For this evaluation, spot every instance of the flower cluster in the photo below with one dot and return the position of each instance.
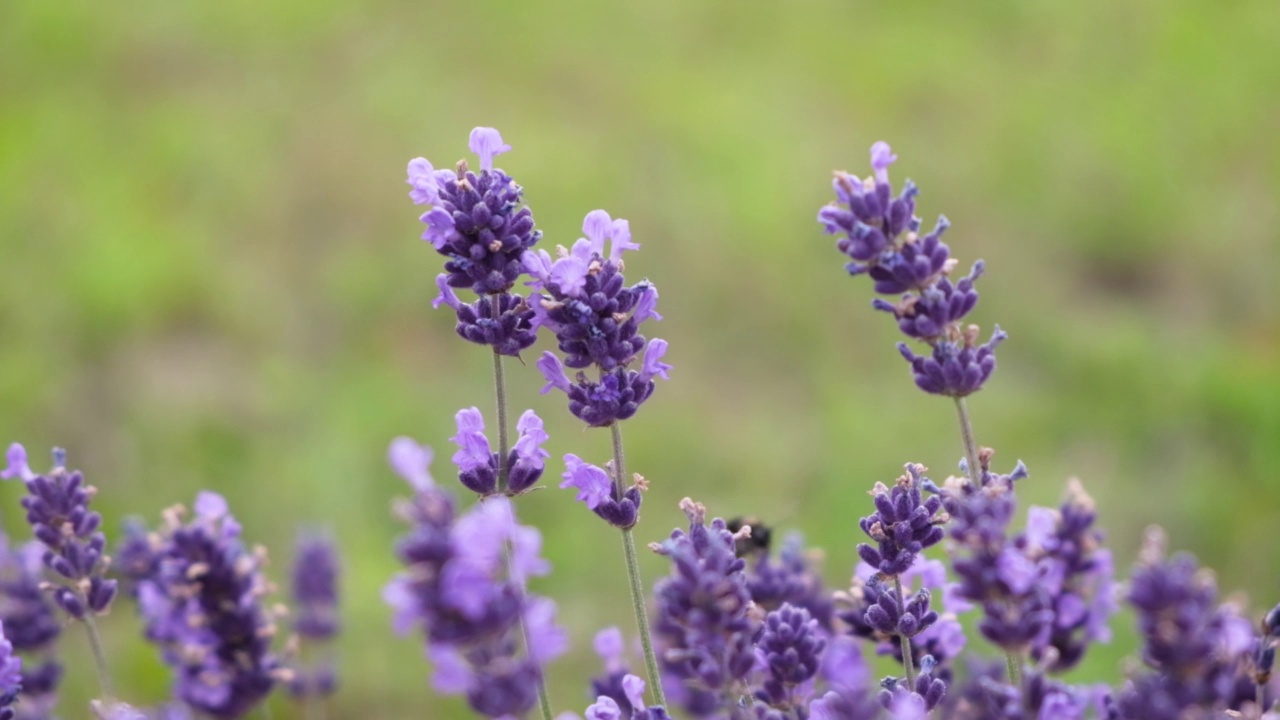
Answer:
(607, 497)
(480, 469)
(903, 524)
(57, 506)
(204, 608)
(470, 604)
(789, 577)
(791, 644)
(31, 626)
(315, 619)
(631, 708)
(596, 319)
(10, 676)
(478, 222)
(880, 235)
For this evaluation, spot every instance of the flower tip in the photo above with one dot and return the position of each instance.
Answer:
(882, 155)
(411, 461)
(596, 226)
(486, 142)
(16, 464)
(210, 505)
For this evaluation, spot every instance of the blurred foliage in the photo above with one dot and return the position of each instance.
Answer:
(212, 277)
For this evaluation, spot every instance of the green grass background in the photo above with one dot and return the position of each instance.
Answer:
(212, 276)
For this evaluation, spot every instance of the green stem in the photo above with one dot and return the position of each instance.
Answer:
(636, 584)
(970, 447)
(99, 657)
(500, 393)
(1013, 664)
(908, 663)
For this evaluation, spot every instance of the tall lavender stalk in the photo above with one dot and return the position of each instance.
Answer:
(596, 319)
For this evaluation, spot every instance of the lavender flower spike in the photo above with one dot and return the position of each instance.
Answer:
(10, 676)
(57, 506)
(478, 464)
(903, 523)
(315, 618)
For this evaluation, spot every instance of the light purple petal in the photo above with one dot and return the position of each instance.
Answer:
(422, 180)
(597, 227)
(932, 573)
(473, 445)
(439, 230)
(553, 371)
(487, 143)
(653, 365)
(881, 158)
(404, 605)
(452, 675)
(538, 264)
(412, 462)
(1042, 524)
(526, 558)
(569, 274)
(1016, 570)
(210, 506)
(447, 295)
(540, 316)
(547, 640)
(604, 708)
(633, 688)
(843, 665)
(610, 646)
(646, 306)
(620, 236)
(479, 536)
(466, 588)
(532, 435)
(593, 484)
(16, 458)
(864, 572)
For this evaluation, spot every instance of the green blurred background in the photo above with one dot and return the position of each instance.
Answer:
(212, 276)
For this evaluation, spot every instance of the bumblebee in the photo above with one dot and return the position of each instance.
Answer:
(761, 535)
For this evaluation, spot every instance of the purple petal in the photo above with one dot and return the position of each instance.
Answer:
(439, 230)
(452, 675)
(16, 458)
(633, 688)
(473, 445)
(593, 484)
(646, 306)
(610, 646)
(604, 708)
(553, 371)
(547, 640)
(411, 461)
(487, 143)
(620, 235)
(210, 506)
(1042, 523)
(653, 365)
(526, 554)
(569, 274)
(532, 435)
(538, 265)
(447, 295)
(422, 180)
(597, 227)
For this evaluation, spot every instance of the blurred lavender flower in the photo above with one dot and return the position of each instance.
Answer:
(704, 624)
(611, 648)
(10, 676)
(603, 496)
(478, 464)
(790, 577)
(915, 701)
(204, 608)
(1197, 650)
(467, 600)
(315, 608)
(903, 524)
(985, 696)
(479, 224)
(31, 625)
(57, 506)
(136, 558)
(632, 708)
(596, 321)
(880, 235)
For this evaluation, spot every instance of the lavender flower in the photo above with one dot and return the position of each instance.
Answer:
(1195, 648)
(790, 577)
(880, 235)
(57, 506)
(315, 604)
(31, 625)
(478, 463)
(479, 224)
(916, 701)
(204, 609)
(792, 645)
(10, 676)
(596, 321)
(606, 708)
(985, 696)
(618, 507)
(704, 621)
(466, 599)
(609, 645)
(903, 524)
(135, 558)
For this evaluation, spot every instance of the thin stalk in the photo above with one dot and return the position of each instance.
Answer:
(1014, 665)
(99, 656)
(637, 585)
(970, 447)
(908, 664)
(500, 393)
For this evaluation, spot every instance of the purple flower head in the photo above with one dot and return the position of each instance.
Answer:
(412, 462)
(10, 676)
(903, 524)
(527, 459)
(930, 314)
(469, 602)
(509, 327)
(315, 587)
(31, 622)
(476, 461)
(704, 624)
(913, 702)
(204, 608)
(57, 506)
(617, 506)
(487, 144)
(792, 576)
(890, 616)
(596, 320)
(791, 644)
(955, 368)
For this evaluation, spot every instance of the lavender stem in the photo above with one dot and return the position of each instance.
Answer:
(633, 574)
(908, 664)
(1012, 662)
(500, 393)
(99, 657)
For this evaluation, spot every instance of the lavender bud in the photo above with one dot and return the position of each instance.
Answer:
(903, 524)
(792, 646)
